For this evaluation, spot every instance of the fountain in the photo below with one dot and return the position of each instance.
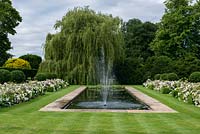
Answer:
(107, 97)
(104, 77)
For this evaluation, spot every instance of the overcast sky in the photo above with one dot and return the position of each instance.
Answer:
(39, 16)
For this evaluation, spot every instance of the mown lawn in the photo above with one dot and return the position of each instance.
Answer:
(26, 119)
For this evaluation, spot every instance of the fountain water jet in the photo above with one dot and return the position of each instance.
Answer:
(104, 77)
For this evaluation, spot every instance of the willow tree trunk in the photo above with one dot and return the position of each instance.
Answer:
(75, 51)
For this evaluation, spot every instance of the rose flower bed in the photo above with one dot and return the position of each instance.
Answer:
(11, 93)
(185, 91)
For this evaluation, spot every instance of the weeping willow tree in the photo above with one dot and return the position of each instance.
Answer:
(74, 52)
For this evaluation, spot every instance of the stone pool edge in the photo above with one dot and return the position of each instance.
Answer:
(155, 105)
(58, 104)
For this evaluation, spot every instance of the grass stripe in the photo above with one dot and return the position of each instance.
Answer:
(26, 119)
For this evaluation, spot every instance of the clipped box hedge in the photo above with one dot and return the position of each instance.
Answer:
(28, 72)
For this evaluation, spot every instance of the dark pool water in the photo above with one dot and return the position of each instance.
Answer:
(117, 99)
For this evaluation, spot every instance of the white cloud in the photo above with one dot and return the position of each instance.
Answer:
(39, 16)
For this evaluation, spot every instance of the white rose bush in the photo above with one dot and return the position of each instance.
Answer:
(183, 90)
(12, 93)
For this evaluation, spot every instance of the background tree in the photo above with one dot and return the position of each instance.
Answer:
(178, 32)
(85, 36)
(185, 66)
(34, 60)
(9, 19)
(178, 37)
(129, 71)
(137, 37)
(175, 48)
(157, 65)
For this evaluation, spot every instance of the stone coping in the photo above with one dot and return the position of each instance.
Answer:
(61, 102)
(155, 105)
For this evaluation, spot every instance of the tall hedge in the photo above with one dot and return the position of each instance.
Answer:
(34, 60)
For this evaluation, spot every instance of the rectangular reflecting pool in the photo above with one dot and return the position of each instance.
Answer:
(117, 98)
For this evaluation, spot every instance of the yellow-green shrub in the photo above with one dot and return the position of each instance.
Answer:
(17, 63)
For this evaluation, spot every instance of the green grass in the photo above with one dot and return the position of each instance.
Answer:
(26, 119)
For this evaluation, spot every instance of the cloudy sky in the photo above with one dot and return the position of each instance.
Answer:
(39, 16)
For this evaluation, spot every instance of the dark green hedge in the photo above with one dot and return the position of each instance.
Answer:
(34, 60)
(195, 77)
(166, 76)
(172, 76)
(45, 76)
(4, 75)
(157, 77)
(17, 76)
(28, 72)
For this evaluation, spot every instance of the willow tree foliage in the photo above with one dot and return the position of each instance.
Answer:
(75, 52)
